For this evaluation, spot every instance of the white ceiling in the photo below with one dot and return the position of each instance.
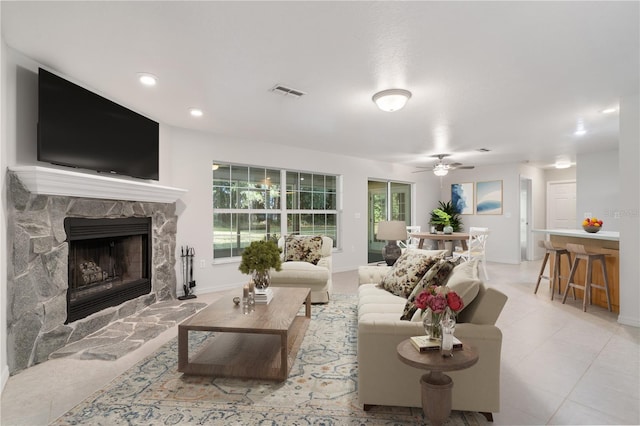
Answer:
(512, 77)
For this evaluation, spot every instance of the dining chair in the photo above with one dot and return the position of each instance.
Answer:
(476, 248)
(410, 242)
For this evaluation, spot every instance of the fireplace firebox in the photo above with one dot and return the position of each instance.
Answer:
(109, 263)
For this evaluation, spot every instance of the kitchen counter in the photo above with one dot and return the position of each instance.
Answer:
(581, 233)
(604, 242)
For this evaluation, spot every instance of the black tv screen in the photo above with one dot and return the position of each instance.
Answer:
(79, 128)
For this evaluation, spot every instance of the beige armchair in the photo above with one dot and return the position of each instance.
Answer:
(305, 274)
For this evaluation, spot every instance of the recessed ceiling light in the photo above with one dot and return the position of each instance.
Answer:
(580, 130)
(196, 112)
(609, 110)
(147, 79)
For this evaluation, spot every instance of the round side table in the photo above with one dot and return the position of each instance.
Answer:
(436, 386)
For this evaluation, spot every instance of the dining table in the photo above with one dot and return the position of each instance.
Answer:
(441, 237)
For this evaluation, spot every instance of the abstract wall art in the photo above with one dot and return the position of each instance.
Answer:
(462, 197)
(489, 197)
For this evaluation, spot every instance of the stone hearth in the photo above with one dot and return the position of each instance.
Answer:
(37, 269)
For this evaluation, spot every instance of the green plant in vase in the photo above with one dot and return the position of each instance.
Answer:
(444, 219)
(452, 218)
(258, 258)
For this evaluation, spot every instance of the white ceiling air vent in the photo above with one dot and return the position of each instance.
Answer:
(287, 91)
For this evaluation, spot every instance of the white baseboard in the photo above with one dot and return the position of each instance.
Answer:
(204, 289)
(633, 322)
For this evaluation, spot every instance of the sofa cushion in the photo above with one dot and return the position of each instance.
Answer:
(465, 281)
(300, 272)
(406, 272)
(303, 248)
(436, 275)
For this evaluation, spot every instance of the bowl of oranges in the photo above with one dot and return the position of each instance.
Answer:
(592, 225)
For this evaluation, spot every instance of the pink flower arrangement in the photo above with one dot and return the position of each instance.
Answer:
(438, 299)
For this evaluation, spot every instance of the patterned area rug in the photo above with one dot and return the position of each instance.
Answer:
(322, 388)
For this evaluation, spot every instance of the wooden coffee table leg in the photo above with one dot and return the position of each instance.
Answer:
(284, 356)
(183, 348)
(436, 396)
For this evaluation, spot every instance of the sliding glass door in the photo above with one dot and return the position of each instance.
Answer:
(387, 201)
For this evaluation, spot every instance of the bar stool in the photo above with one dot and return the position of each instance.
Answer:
(580, 253)
(554, 273)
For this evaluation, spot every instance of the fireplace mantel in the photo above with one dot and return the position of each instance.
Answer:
(48, 181)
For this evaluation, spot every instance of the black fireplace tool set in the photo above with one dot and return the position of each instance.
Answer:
(186, 255)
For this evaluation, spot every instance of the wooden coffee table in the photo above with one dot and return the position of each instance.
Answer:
(436, 386)
(260, 345)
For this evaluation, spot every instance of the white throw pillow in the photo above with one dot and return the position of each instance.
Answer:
(465, 281)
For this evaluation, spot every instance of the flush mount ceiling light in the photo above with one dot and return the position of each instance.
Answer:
(392, 99)
(195, 112)
(440, 170)
(562, 163)
(147, 79)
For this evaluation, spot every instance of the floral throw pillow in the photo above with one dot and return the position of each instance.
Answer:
(303, 248)
(437, 275)
(406, 272)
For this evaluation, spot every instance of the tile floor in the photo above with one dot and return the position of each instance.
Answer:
(559, 364)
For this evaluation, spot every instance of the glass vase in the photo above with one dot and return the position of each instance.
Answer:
(448, 323)
(261, 279)
(432, 324)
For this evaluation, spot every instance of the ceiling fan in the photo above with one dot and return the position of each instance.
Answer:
(442, 168)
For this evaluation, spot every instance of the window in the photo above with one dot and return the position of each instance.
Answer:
(248, 206)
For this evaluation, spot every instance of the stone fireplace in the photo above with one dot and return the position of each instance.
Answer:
(50, 253)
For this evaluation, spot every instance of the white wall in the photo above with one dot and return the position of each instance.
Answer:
(629, 208)
(193, 152)
(598, 187)
(504, 243)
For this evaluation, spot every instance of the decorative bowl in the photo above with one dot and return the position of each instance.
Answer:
(592, 229)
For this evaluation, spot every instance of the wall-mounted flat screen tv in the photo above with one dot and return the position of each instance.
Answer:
(79, 128)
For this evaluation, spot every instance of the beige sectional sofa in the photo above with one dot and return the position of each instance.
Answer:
(304, 274)
(384, 380)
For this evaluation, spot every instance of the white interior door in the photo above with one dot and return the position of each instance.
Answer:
(561, 205)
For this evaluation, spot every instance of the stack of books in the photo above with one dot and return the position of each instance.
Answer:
(424, 344)
(263, 296)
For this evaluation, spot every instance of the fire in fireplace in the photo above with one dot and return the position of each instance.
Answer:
(109, 263)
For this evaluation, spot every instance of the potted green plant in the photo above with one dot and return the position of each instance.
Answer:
(258, 258)
(454, 217)
(444, 219)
